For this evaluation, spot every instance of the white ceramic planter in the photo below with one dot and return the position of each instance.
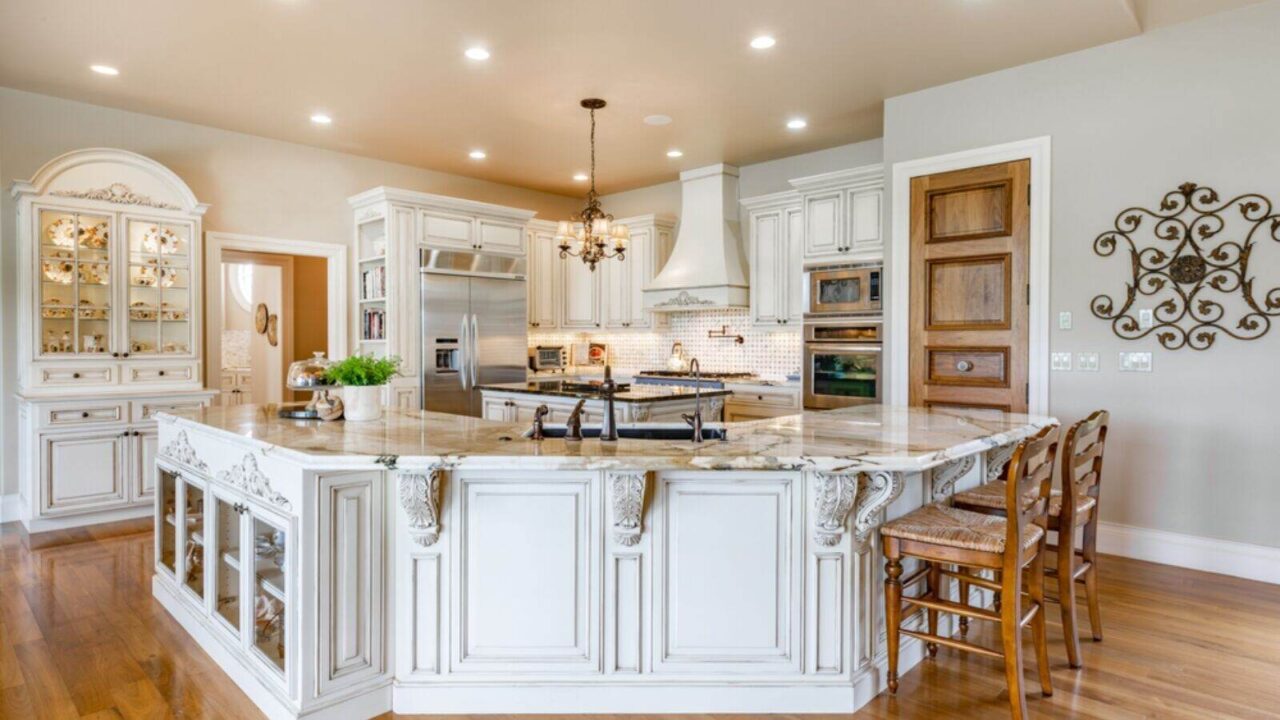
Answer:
(362, 402)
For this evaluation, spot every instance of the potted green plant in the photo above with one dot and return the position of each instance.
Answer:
(362, 378)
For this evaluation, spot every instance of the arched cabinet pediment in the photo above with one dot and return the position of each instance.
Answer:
(115, 176)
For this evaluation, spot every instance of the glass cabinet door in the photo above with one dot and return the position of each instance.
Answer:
(269, 597)
(167, 522)
(75, 283)
(226, 572)
(159, 287)
(193, 538)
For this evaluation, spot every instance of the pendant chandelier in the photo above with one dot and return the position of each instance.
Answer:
(592, 234)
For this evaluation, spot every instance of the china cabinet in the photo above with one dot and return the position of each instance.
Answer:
(392, 227)
(842, 213)
(775, 227)
(109, 328)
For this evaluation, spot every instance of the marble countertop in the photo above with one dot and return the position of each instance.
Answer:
(636, 393)
(868, 437)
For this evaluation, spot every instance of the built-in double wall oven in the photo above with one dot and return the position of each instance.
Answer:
(843, 337)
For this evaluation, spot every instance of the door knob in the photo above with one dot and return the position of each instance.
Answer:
(964, 366)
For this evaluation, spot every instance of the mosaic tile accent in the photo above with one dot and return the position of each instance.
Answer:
(770, 353)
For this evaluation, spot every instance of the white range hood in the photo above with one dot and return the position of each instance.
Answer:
(705, 270)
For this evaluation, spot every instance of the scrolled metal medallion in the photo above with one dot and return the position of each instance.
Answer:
(1198, 282)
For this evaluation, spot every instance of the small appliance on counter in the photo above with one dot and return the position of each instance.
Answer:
(548, 358)
(311, 375)
(590, 354)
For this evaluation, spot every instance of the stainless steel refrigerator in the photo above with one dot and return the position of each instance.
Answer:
(473, 327)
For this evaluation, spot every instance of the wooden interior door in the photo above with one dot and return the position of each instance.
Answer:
(970, 231)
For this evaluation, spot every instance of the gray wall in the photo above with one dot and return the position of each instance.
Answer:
(1196, 442)
(254, 186)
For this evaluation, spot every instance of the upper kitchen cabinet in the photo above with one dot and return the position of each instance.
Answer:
(651, 240)
(841, 212)
(776, 246)
(544, 276)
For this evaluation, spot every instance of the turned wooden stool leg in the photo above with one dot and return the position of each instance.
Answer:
(935, 591)
(1011, 637)
(1091, 576)
(1067, 593)
(892, 607)
(1036, 590)
(963, 600)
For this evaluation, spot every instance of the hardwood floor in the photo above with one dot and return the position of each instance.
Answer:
(80, 636)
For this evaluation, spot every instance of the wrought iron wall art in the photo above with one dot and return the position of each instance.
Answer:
(1197, 272)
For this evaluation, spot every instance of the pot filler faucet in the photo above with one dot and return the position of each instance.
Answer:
(695, 420)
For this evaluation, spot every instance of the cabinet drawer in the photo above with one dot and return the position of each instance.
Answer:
(176, 373)
(764, 396)
(73, 376)
(83, 414)
(145, 410)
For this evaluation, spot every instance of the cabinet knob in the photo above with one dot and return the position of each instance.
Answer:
(124, 354)
(75, 375)
(115, 354)
(964, 366)
(84, 414)
(160, 373)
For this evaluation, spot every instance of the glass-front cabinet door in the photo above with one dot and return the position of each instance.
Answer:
(270, 543)
(159, 280)
(75, 283)
(193, 537)
(226, 543)
(167, 520)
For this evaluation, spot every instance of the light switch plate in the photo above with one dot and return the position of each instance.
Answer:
(1064, 320)
(1060, 361)
(1087, 362)
(1135, 362)
(1146, 319)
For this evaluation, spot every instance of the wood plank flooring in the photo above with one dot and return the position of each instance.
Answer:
(80, 637)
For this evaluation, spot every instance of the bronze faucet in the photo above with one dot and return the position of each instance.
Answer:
(538, 415)
(609, 425)
(573, 425)
(695, 420)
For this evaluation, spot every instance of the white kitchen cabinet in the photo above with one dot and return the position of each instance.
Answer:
(580, 295)
(544, 276)
(145, 445)
(842, 214)
(624, 282)
(500, 237)
(83, 471)
(758, 402)
(776, 246)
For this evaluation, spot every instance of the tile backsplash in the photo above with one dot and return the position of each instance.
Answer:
(767, 352)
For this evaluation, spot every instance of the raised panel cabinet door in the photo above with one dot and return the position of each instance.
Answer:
(864, 221)
(645, 259)
(580, 297)
(498, 410)
(142, 472)
(350, 579)
(83, 472)
(768, 288)
(544, 281)
(447, 231)
(792, 269)
(615, 279)
(501, 237)
(970, 232)
(823, 228)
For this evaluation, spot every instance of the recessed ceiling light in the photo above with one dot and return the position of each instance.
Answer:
(581, 177)
(763, 42)
(478, 155)
(321, 119)
(104, 69)
(797, 124)
(657, 120)
(477, 53)
(674, 154)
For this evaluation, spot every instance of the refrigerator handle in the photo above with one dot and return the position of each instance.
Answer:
(475, 351)
(464, 348)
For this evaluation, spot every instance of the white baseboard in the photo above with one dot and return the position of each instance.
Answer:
(10, 508)
(1254, 562)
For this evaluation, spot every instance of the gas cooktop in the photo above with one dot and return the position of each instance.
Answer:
(705, 374)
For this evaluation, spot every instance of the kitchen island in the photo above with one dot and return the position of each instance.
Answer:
(430, 563)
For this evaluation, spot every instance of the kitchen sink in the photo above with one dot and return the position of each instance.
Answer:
(638, 432)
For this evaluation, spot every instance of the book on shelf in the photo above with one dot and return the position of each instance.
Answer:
(373, 282)
(373, 325)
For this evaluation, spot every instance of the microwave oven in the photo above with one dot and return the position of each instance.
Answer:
(548, 357)
(843, 289)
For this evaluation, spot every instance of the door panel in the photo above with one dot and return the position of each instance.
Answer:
(969, 270)
(83, 472)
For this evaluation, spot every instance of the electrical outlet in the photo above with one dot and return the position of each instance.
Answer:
(1087, 362)
(1064, 320)
(1146, 319)
(1135, 362)
(1060, 361)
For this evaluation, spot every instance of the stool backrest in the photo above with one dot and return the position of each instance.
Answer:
(1082, 462)
(1028, 483)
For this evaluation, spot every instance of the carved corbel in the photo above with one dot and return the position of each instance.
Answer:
(876, 490)
(626, 497)
(179, 450)
(420, 498)
(997, 459)
(835, 498)
(946, 475)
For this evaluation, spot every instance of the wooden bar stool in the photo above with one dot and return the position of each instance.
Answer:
(944, 536)
(1081, 472)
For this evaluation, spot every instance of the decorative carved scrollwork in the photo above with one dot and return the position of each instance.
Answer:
(247, 477)
(997, 460)
(116, 193)
(945, 476)
(831, 506)
(179, 450)
(876, 490)
(684, 299)
(1194, 280)
(420, 498)
(626, 496)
